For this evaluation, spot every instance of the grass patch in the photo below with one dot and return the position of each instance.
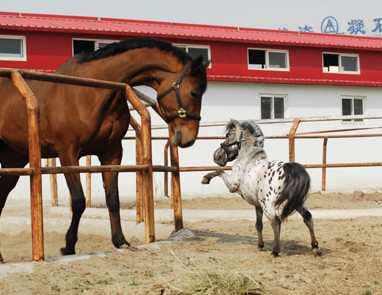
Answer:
(199, 281)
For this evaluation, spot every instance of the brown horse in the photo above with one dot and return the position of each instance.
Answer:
(77, 121)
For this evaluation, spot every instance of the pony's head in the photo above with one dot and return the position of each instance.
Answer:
(180, 102)
(238, 135)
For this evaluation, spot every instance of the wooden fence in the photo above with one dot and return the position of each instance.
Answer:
(143, 168)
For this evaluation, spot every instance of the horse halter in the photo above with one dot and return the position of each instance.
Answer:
(181, 113)
(225, 146)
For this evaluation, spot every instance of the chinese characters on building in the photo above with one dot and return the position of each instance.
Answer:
(330, 25)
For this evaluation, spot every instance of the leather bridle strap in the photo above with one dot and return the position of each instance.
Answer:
(181, 113)
(225, 146)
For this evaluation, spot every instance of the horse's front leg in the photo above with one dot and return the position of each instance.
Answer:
(78, 202)
(232, 183)
(110, 183)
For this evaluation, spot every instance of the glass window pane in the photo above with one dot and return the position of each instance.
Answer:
(331, 62)
(279, 107)
(102, 44)
(358, 108)
(349, 63)
(256, 58)
(277, 60)
(196, 52)
(11, 47)
(266, 107)
(83, 45)
(346, 107)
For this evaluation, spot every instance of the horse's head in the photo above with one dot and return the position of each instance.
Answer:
(244, 135)
(180, 99)
(229, 148)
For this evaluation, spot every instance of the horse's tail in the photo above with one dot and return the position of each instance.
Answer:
(297, 185)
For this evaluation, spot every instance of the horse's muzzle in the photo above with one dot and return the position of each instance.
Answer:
(220, 157)
(181, 139)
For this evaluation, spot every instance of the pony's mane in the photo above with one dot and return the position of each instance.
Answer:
(251, 126)
(257, 152)
(126, 45)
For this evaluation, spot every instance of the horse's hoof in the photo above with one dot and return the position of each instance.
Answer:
(205, 180)
(128, 247)
(316, 252)
(1, 259)
(65, 252)
(275, 254)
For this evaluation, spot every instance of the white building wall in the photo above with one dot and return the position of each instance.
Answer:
(241, 101)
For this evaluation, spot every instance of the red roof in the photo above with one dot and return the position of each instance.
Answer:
(94, 25)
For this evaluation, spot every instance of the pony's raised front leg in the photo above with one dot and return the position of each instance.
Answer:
(308, 220)
(78, 203)
(110, 183)
(231, 183)
(207, 178)
(259, 227)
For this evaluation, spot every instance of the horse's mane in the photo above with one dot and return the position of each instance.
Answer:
(112, 49)
(126, 45)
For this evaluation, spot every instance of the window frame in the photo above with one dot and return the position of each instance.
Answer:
(352, 98)
(187, 46)
(273, 96)
(23, 52)
(358, 72)
(267, 68)
(96, 42)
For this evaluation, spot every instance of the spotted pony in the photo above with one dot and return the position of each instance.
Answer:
(276, 189)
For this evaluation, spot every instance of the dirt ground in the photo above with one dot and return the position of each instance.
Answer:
(351, 260)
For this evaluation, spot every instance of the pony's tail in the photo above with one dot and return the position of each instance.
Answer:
(297, 185)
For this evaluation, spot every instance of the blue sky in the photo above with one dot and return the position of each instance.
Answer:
(290, 14)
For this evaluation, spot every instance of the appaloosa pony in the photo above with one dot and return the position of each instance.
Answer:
(78, 121)
(265, 184)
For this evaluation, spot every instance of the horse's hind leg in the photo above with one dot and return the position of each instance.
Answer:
(276, 226)
(9, 159)
(110, 182)
(259, 227)
(308, 220)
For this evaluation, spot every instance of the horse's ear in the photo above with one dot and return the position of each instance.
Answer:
(200, 62)
(205, 64)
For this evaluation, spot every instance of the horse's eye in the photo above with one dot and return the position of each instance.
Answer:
(194, 93)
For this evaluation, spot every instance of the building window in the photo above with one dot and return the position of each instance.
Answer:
(352, 105)
(341, 63)
(268, 59)
(272, 106)
(196, 50)
(81, 45)
(13, 48)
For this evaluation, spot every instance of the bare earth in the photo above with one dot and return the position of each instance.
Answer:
(351, 261)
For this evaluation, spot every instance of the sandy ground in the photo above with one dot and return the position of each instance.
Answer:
(351, 261)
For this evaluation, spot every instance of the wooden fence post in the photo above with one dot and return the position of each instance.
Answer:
(35, 163)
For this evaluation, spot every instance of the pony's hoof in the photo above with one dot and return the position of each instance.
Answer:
(275, 254)
(316, 252)
(206, 180)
